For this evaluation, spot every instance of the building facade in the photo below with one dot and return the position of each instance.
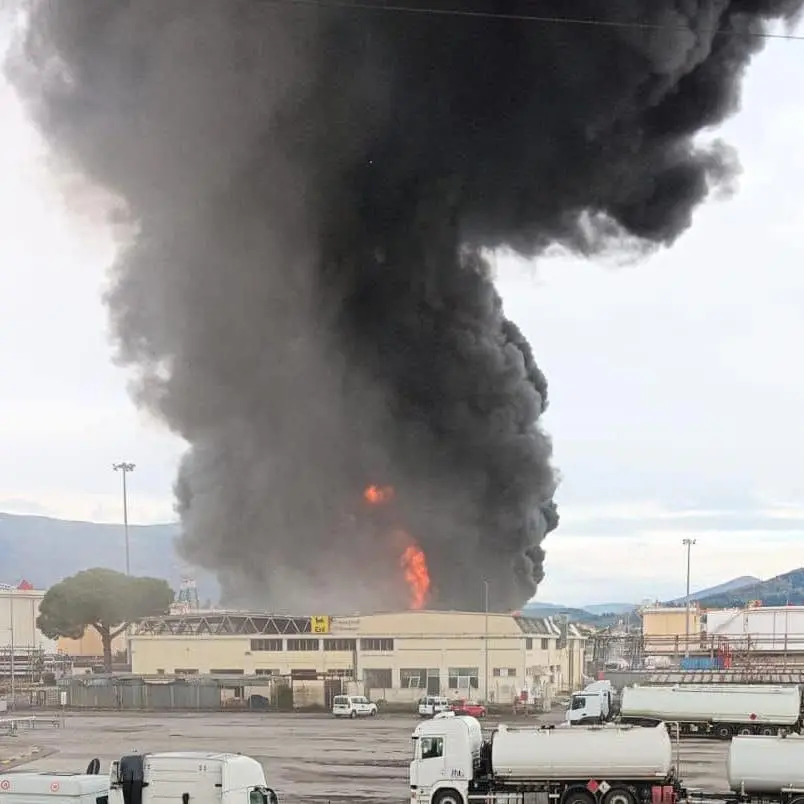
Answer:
(397, 656)
(19, 610)
(665, 630)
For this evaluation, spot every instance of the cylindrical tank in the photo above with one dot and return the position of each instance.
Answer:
(720, 704)
(582, 753)
(766, 764)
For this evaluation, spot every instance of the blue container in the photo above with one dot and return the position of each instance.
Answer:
(701, 663)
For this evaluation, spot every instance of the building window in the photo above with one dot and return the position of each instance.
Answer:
(340, 644)
(529, 644)
(266, 644)
(160, 671)
(303, 644)
(342, 672)
(226, 672)
(264, 671)
(377, 644)
(504, 672)
(545, 644)
(412, 678)
(378, 679)
(462, 678)
(185, 671)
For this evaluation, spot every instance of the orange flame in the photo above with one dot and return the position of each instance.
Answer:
(414, 565)
(378, 494)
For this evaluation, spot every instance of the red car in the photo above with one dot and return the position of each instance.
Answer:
(468, 708)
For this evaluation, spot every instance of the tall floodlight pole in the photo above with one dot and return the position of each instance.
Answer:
(124, 469)
(486, 609)
(13, 651)
(688, 544)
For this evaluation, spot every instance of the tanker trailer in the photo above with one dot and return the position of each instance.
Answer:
(767, 768)
(720, 711)
(581, 765)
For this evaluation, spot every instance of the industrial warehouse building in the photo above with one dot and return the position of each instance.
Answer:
(398, 657)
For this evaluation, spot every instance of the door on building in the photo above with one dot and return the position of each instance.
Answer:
(433, 682)
(332, 687)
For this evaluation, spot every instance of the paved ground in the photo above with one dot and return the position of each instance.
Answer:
(306, 757)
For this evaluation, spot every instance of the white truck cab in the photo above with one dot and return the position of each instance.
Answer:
(189, 777)
(593, 705)
(445, 751)
(27, 787)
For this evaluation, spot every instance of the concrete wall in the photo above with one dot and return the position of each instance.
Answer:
(89, 645)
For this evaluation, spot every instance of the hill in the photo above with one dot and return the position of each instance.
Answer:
(44, 550)
(785, 589)
(610, 608)
(720, 589)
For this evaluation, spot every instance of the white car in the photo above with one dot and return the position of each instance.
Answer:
(353, 706)
(432, 705)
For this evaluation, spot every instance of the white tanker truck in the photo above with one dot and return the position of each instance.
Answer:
(715, 710)
(453, 764)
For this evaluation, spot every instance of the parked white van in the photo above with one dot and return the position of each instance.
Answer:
(353, 706)
(432, 705)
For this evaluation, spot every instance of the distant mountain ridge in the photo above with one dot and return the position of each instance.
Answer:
(721, 589)
(786, 589)
(738, 591)
(44, 550)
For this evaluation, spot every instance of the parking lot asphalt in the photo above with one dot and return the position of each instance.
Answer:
(312, 758)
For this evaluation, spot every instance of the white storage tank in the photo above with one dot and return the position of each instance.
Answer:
(765, 764)
(720, 704)
(625, 752)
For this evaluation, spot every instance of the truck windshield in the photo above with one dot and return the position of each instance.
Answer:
(578, 702)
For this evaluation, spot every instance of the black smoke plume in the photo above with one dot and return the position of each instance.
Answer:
(311, 190)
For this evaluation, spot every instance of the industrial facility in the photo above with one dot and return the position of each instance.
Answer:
(755, 639)
(396, 656)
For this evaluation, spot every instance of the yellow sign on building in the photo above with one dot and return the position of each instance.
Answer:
(319, 624)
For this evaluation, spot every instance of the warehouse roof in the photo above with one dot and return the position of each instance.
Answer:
(241, 623)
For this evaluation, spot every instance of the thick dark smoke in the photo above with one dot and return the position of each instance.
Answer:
(305, 298)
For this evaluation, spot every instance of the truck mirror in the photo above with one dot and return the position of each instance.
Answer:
(272, 799)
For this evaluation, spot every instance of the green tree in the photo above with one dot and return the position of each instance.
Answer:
(102, 599)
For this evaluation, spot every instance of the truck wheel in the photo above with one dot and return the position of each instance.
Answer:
(577, 796)
(768, 731)
(745, 730)
(723, 732)
(619, 795)
(448, 796)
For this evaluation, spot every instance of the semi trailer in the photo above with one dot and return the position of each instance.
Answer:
(200, 777)
(453, 764)
(718, 711)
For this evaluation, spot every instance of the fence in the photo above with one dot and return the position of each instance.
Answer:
(163, 694)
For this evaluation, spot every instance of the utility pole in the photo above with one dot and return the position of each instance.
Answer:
(688, 544)
(13, 650)
(486, 609)
(125, 468)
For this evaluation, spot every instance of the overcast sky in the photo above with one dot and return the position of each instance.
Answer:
(677, 405)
